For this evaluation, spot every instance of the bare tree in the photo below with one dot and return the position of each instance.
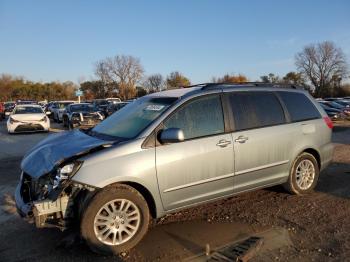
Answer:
(154, 83)
(101, 70)
(121, 72)
(321, 64)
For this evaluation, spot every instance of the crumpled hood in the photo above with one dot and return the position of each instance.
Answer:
(56, 148)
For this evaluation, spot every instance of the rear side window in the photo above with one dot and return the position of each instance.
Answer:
(200, 117)
(255, 109)
(300, 107)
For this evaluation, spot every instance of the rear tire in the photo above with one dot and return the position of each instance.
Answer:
(109, 229)
(303, 175)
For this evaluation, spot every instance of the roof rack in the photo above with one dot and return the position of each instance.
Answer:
(248, 84)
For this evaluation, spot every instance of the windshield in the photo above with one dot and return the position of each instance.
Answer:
(64, 105)
(28, 110)
(82, 108)
(101, 102)
(129, 121)
(9, 104)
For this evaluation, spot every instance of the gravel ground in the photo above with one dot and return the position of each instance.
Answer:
(317, 223)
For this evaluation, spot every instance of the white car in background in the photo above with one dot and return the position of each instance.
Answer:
(58, 109)
(28, 118)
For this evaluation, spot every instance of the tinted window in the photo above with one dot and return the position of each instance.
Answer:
(201, 117)
(299, 106)
(82, 108)
(255, 109)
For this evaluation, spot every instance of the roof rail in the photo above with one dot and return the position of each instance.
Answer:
(247, 84)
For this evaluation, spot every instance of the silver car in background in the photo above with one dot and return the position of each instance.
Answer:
(172, 150)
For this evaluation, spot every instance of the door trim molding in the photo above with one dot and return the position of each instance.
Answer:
(198, 183)
(261, 167)
(225, 176)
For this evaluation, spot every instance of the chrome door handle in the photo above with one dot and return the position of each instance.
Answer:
(241, 139)
(223, 143)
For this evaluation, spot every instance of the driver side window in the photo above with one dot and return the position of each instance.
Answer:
(198, 118)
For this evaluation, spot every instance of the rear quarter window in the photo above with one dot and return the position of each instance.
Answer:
(299, 106)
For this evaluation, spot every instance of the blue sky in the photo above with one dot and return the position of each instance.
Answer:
(49, 41)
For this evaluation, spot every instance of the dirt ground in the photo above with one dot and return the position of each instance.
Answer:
(317, 225)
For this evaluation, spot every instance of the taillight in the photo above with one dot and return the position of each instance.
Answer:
(328, 121)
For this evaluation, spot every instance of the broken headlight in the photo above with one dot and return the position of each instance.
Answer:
(66, 172)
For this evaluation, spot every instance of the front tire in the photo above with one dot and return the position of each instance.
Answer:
(54, 118)
(115, 220)
(65, 121)
(304, 175)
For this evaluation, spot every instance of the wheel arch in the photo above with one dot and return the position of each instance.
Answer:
(313, 152)
(147, 195)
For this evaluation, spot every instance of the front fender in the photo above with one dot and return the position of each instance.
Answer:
(123, 164)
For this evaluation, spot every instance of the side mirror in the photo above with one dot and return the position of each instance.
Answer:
(171, 135)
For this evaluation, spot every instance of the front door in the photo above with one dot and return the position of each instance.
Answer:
(201, 167)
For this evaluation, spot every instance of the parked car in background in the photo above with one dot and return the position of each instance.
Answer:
(343, 102)
(172, 150)
(113, 100)
(113, 107)
(27, 118)
(333, 113)
(130, 100)
(83, 115)
(26, 102)
(333, 104)
(42, 104)
(49, 108)
(9, 106)
(2, 111)
(331, 99)
(58, 108)
(101, 105)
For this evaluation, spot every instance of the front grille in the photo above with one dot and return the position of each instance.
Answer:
(91, 116)
(32, 190)
(27, 188)
(29, 127)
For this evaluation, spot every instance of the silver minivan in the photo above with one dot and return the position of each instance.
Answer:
(172, 150)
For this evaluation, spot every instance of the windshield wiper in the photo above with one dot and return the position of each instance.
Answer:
(104, 136)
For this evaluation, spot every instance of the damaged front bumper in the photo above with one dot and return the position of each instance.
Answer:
(55, 210)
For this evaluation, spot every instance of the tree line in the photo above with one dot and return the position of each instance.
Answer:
(321, 68)
(14, 88)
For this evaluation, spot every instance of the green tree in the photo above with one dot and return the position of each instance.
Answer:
(240, 78)
(270, 78)
(177, 80)
(93, 89)
(13, 88)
